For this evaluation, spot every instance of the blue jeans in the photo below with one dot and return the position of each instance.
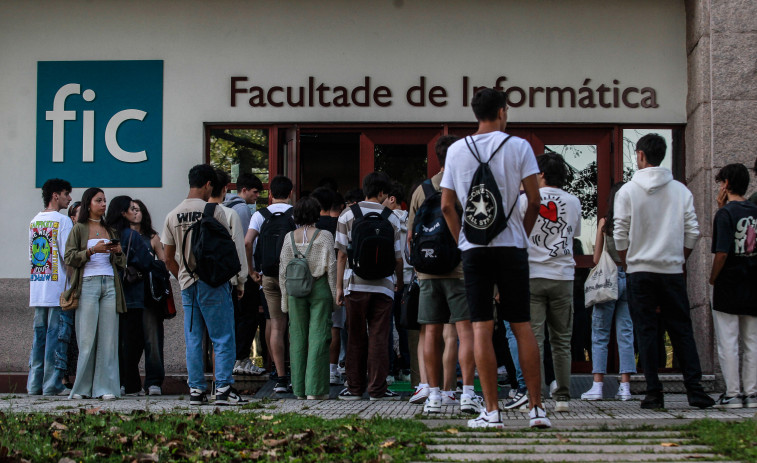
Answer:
(206, 306)
(44, 377)
(513, 344)
(602, 324)
(65, 337)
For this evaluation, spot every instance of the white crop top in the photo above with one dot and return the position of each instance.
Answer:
(99, 263)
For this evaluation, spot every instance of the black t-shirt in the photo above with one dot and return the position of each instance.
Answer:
(327, 223)
(734, 231)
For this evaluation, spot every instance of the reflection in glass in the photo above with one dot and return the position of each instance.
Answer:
(403, 163)
(241, 150)
(630, 137)
(582, 160)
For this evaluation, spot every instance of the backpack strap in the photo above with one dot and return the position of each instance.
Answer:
(294, 246)
(315, 235)
(477, 155)
(356, 211)
(386, 213)
(265, 213)
(428, 188)
(210, 210)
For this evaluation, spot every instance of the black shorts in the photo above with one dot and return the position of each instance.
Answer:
(507, 267)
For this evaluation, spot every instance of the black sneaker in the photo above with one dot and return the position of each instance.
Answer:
(281, 387)
(228, 396)
(730, 402)
(653, 400)
(388, 395)
(520, 398)
(347, 395)
(700, 399)
(198, 397)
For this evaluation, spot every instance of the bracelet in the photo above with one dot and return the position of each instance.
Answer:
(91, 251)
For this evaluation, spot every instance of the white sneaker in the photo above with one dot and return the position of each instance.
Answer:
(539, 418)
(624, 392)
(420, 395)
(471, 404)
(248, 368)
(449, 398)
(335, 379)
(433, 404)
(154, 390)
(389, 380)
(501, 371)
(238, 367)
(595, 393)
(108, 397)
(485, 420)
(562, 406)
(552, 388)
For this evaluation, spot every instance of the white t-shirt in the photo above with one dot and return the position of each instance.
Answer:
(514, 162)
(550, 250)
(99, 263)
(48, 232)
(257, 220)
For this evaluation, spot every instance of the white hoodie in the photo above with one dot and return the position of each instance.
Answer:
(655, 220)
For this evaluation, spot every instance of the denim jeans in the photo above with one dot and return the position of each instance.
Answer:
(513, 344)
(602, 324)
(65, 339)
(97, 335)
(206, 306)
(44, 377)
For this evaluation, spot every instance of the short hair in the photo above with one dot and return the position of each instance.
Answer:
(375, 183)
(441, 146)
(222, 179)
(306, 211)
(486, 104)
(200, 175)
(146, 224)
(325, 197)
(354, 196)
(338, 204)
(654, 148)
(249, 181)
(738, 178)
(398, 191)
(554, 168)
(329, 183)
(86, 201)
(114, 218)
(52, 186)
(281, 187)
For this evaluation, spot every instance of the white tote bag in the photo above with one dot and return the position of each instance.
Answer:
(602, 283)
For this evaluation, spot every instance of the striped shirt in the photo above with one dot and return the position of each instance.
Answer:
(353, 282)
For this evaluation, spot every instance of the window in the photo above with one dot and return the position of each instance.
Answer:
(241, 150)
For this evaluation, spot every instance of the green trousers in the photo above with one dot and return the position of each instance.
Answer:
(309, 340)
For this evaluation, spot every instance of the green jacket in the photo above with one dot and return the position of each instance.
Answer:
(76, 257)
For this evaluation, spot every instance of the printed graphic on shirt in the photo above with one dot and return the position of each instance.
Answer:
(481, 208)
(551, 230)
(745, 237)
(44, 251)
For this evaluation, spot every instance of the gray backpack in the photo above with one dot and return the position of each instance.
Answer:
(299, 281)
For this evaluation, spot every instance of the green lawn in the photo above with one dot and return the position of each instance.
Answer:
(735, 439)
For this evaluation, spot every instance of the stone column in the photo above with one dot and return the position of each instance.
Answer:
(721, 45)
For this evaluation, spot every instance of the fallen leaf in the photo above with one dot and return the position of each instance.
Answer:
(277, 422)
(209, 453)
(275, 442)
(562, 438)
(58, 435)
(266, 417)
(669, 444)
(66, 460)
(303, 435)
(74, 453)
(103, 451)
(146, 457)
(389, 442)
(452, 431)
(92, 411)
(58, 426)
(114, 429)
(251, 455)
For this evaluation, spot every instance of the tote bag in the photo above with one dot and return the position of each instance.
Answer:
(602, 283)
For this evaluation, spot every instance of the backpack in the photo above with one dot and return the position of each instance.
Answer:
(214, 250)
(371, 251)
(433, 249)
(158, 289)
(299, 282)
(483, 218)
(272, 234)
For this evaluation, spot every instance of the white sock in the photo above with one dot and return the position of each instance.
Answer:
(469, 390)
(449, 393)
(434, 392)
(598, 385)
(422, 385)
(332, 368)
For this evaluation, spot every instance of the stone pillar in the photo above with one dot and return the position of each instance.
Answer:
(721, 107)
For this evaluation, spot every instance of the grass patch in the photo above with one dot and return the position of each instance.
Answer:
(735, 439)
(94, 435)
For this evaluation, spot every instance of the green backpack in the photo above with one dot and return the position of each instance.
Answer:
(299, 281)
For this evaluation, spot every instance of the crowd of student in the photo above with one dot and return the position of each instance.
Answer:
(491, 238)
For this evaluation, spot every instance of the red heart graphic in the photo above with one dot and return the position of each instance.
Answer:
(549, 211)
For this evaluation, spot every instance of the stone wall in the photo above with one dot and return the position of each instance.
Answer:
(721, 45)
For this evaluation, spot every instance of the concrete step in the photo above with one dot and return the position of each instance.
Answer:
(555, 433)
(556, 441)
(571, 457)
(559, 448)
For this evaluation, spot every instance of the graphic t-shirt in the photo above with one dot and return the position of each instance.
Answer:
(514, 162)
(734, 231)
(550, 246)
(48, 232)
(177, 223)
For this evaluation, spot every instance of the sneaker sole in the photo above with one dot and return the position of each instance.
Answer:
(432, 410)
(730, 406)
(420, 400)
(470, 410)
(280, 390)
(376, 399)
(593, 397)
(541, 423)
(197, 402)
(351, 397)
(499, 425)
(518, 404)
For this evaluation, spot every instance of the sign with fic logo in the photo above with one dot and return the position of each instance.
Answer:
(100, 123)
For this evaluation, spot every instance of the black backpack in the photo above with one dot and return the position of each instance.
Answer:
(272, 233)
(214, 250)
(483, 218)
(433, 249)
(371, 251)
(158, 288)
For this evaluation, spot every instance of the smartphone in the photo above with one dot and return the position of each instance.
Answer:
(114, 242)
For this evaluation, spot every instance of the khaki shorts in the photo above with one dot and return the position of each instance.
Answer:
(442, 300)
(272, 293)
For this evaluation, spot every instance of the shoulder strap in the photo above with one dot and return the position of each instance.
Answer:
(428, 188)
(184, 249)
(289, 212)
(496, 150)
(265, 213)
(210, 209)
(310, 244)
(477, 155)
(386, 213)
(356, 211)
(294, 246)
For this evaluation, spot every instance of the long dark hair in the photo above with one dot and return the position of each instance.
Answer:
(610, 217)
(115, 215)
(86, 201)
(146, 224)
